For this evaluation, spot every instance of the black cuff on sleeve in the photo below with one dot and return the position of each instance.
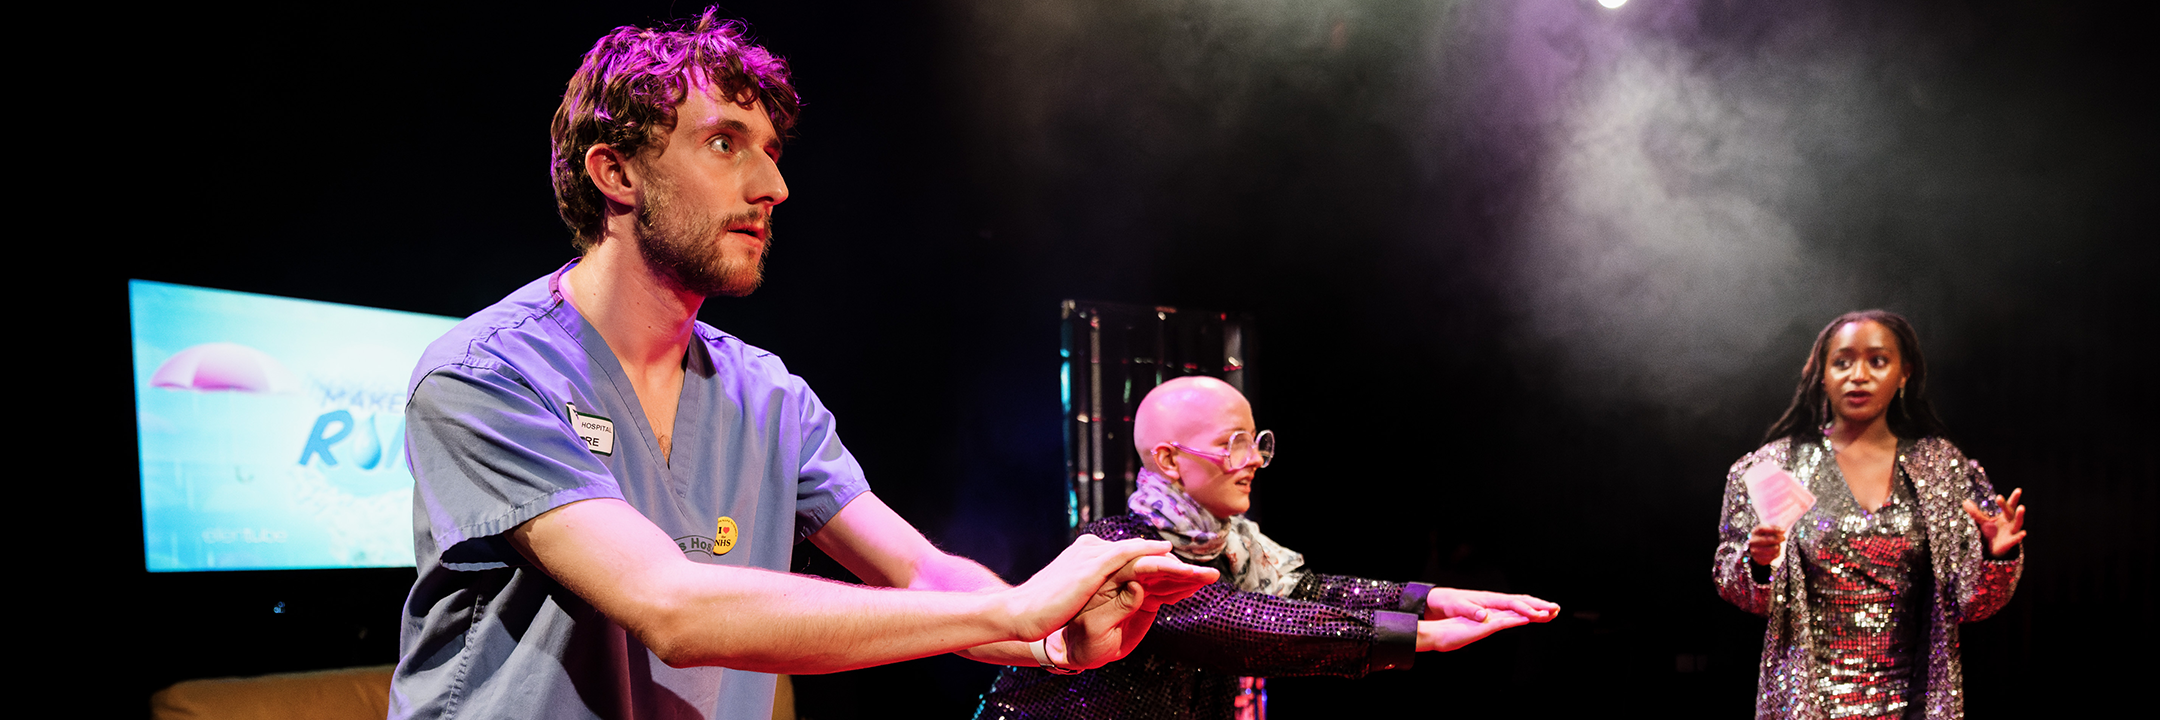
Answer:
(1761, 573)
(1394, 641)
(1413, 598)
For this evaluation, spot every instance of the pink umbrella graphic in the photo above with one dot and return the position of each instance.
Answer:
(224, 366)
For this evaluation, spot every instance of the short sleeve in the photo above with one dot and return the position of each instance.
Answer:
(488, 453)
(830, 478)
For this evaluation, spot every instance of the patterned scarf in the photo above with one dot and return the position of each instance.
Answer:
(1257, 564)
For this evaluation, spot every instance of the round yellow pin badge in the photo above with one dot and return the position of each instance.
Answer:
(724, 536)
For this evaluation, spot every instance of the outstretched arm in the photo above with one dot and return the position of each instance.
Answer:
(880, 547)
(1329, 625)
(690, 613)
(1477, 605)
(1455, 632)
(872, 541)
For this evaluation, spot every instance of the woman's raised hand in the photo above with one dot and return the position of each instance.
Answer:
(2002, 530)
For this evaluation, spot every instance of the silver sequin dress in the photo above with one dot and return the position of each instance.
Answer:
(1863, 613)
(1190, 662)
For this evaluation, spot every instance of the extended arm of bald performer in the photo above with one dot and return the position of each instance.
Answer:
(690, 613)
(872, 541)
(1443, 603)
(1455, 617)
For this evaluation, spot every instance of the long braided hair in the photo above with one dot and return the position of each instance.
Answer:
(1911, 416)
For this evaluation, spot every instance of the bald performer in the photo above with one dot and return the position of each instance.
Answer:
(1268, 615)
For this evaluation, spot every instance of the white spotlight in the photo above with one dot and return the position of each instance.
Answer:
(1612, 3)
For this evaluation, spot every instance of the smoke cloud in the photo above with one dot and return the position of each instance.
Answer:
(1662, 202)
(1663, 246)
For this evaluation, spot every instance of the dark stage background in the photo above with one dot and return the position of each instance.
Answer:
(1528, 276)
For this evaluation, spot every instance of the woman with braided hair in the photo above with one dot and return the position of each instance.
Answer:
(1906, 539)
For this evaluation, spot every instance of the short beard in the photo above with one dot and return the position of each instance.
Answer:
(687, 251)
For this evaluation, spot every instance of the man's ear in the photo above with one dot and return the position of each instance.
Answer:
(612, 173)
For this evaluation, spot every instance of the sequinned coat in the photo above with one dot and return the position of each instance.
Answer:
(1190, 662)
(1967, 586)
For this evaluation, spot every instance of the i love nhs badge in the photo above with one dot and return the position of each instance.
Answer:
(725, 535)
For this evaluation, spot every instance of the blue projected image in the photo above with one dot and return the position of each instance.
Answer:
(272, 430)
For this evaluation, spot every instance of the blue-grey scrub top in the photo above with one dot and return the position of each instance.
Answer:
(492, 444)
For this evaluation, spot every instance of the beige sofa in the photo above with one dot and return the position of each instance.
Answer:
(354, 693)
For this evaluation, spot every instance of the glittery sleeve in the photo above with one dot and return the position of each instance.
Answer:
(1221, 628)
(1730, 570)
(1247, 633)
(1984, 585)
(1353, 592)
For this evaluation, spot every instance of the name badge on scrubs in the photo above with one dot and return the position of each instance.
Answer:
(597, 432)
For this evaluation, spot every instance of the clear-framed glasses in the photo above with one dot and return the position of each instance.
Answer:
(1245, 449)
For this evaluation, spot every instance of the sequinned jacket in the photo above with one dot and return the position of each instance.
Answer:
(1967, 585)
(1190, 662)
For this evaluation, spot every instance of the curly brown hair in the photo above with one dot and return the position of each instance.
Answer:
(625, 93)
